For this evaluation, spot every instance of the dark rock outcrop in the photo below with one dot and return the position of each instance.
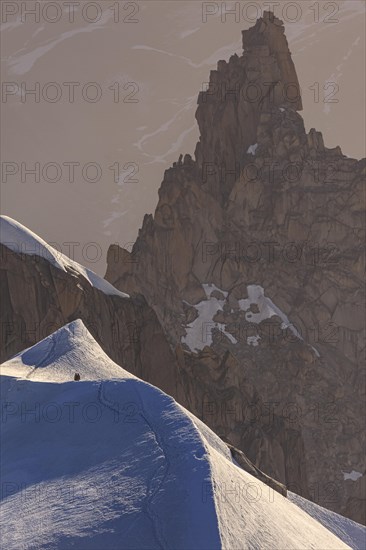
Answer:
(249, 467)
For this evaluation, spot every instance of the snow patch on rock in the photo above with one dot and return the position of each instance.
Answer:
(252, 149)
(267, 309)
(199, 332)
(253, 340)
(353, 476)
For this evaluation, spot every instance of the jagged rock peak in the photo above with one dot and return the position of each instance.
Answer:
(267, 37)
(260, 84)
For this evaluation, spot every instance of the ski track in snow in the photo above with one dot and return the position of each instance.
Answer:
(157, 479)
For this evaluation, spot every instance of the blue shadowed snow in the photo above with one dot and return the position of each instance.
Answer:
(112, 462)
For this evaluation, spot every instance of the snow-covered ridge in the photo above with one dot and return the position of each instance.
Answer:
(56, 358)
(112, 462)
(349, 531)
(22, 240)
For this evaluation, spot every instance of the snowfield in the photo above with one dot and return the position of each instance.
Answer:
(111, 462)
(22, 240)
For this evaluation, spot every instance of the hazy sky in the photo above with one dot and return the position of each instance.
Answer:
(116, 87)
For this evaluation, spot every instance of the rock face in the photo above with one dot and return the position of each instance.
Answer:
(253, 262)
(38, 298)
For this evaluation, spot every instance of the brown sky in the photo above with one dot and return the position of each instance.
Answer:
(166, 56)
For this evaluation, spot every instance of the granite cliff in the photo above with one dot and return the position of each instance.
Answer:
(253, 262)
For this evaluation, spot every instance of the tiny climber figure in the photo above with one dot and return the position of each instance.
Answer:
(76, 376)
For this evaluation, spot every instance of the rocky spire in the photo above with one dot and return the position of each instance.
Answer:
(259, 182)
(262, 80)
(267, 37)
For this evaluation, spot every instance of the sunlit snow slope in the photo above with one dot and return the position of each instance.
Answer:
(112, 462)
(22, 240)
